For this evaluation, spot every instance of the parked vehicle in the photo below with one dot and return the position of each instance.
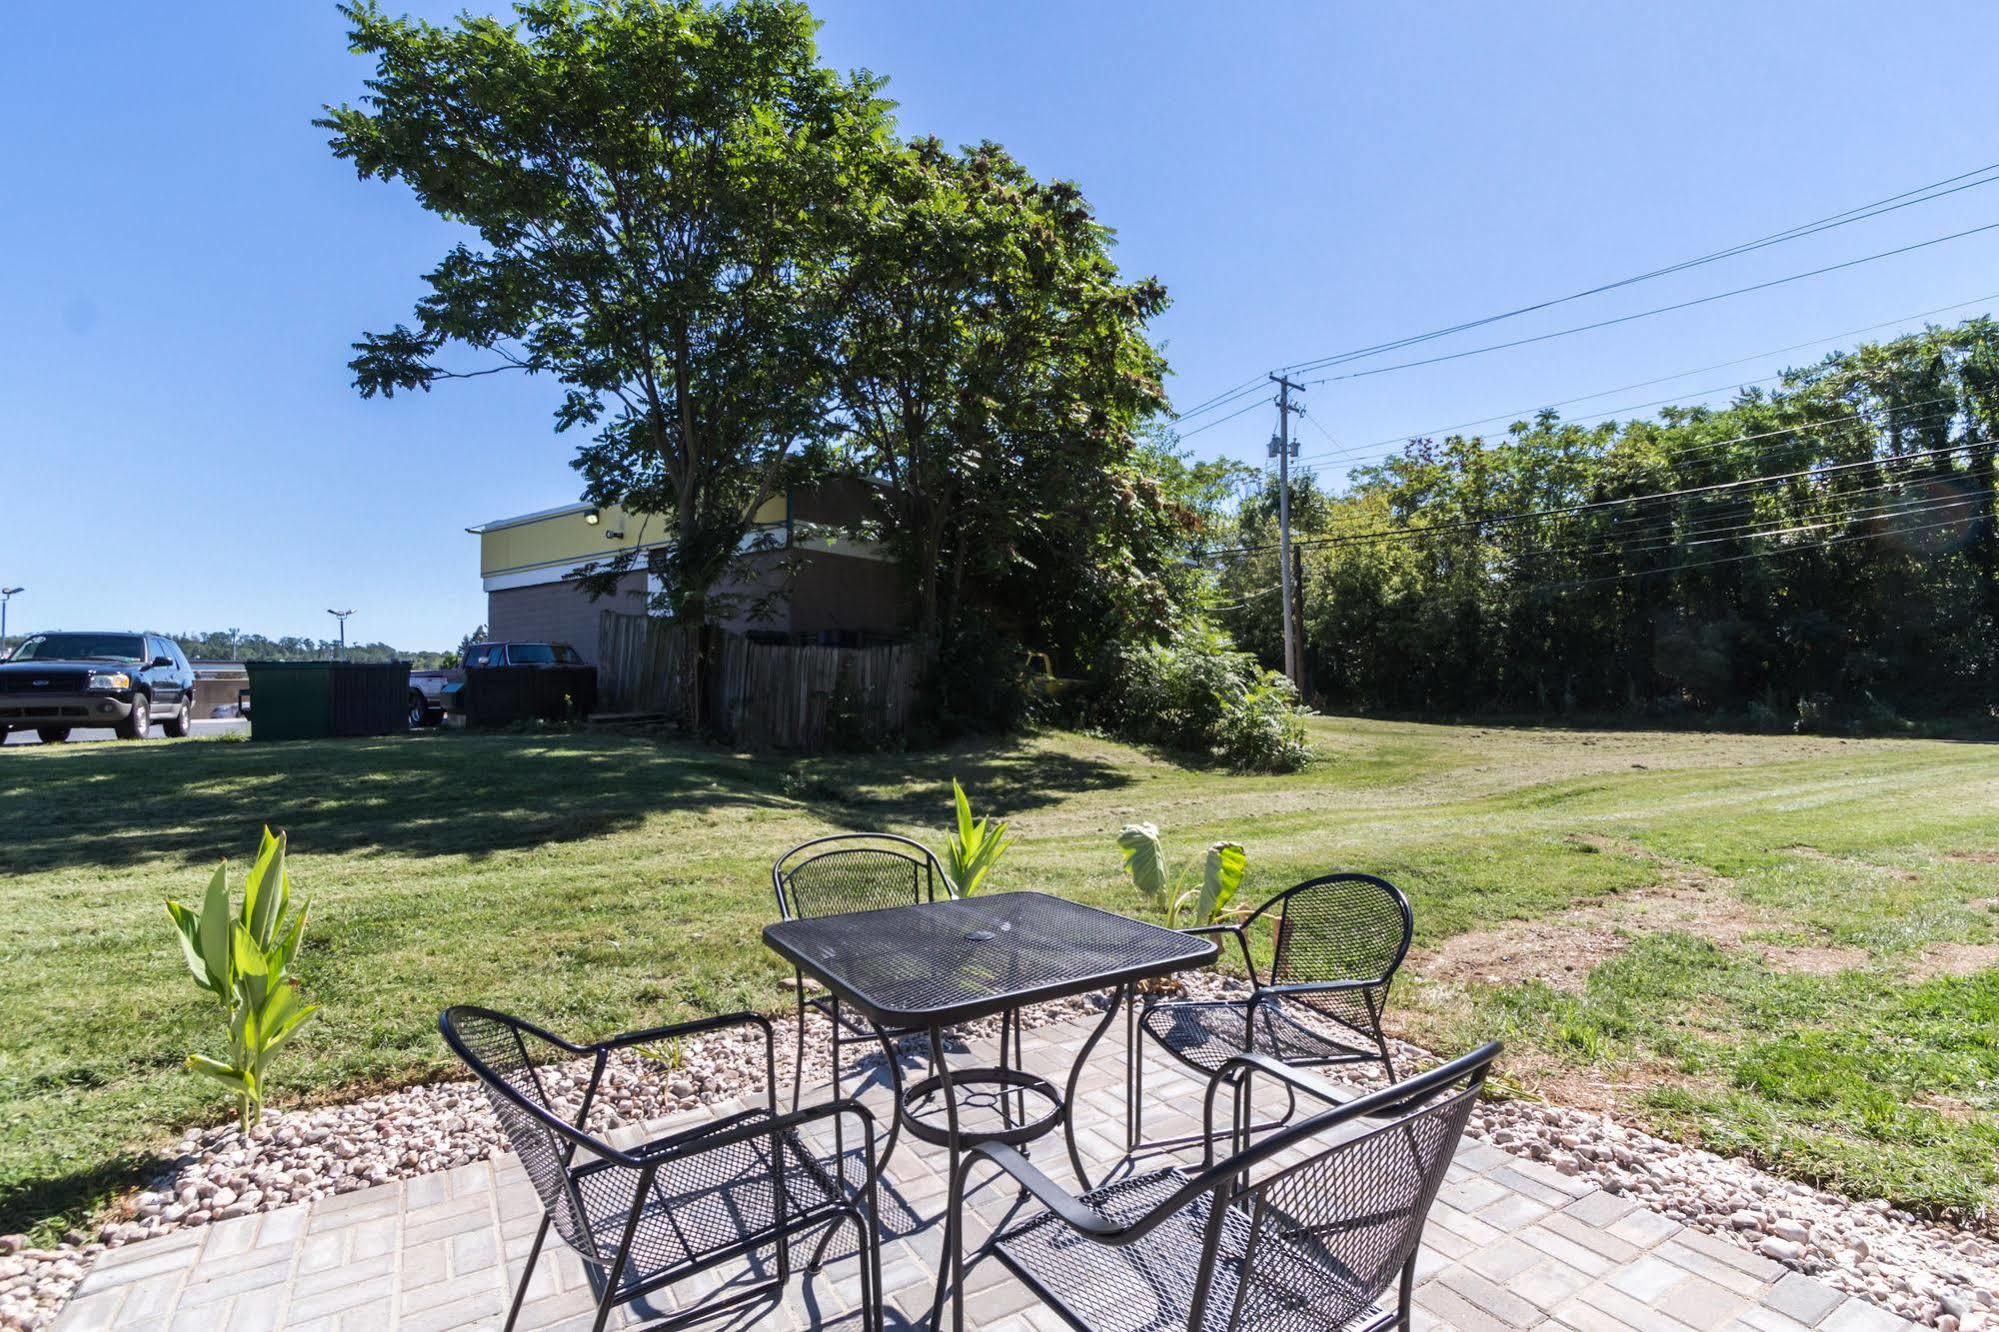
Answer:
(508, 681)
(56, 682)
(427, 695)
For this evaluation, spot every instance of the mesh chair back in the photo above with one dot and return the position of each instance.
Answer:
(1331, 1233)
(507, 1056)
(1343, 927)
(849, 872)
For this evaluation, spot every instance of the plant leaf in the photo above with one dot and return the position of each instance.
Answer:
(265, 890)
(188, 926)
(214, 929)
(1144, 859)
(1220, 877)
(232, 1078)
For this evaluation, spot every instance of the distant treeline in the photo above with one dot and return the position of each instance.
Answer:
(234, 645)
(1821, 554)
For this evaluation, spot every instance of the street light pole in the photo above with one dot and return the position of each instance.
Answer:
(342, 617)
(6, 595)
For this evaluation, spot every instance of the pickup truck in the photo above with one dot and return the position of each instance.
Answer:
(427, 695)
(434, 693)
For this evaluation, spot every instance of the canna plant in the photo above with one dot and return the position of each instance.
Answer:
(244, 959)
(1183, 903)
(975, 847)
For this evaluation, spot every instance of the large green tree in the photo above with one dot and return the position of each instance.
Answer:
(643, 182)
(993, 369)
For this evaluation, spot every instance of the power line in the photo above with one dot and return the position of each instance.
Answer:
(1356, 451)
(1576, 586)
(1230, 417)
(1857, 214)
(1657, 310)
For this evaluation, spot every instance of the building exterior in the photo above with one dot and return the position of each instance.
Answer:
(831, 587)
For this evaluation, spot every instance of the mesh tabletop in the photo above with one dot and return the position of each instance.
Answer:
(953, 961)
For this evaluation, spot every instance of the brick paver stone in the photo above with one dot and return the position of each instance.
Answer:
(1512, 1245)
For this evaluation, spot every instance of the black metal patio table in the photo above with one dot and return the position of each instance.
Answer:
(937, 964)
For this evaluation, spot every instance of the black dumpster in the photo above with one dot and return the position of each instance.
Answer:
(502, 695)
(315, 700)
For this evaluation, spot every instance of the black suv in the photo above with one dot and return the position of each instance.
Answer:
(55, 682)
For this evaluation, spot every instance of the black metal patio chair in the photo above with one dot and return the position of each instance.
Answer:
(839, 874)
(1339, 940)
(1305, 1230)
(745, 1186)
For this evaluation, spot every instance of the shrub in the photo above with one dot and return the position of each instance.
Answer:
(1204, 695)
(243, 959)
(978, 685)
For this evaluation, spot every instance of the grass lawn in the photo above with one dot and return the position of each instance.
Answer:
(1782, 947)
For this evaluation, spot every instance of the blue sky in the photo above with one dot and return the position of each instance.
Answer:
(184, 264)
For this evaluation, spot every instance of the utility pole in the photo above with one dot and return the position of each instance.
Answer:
(6, 595)
(1294, 658)
(342, 617)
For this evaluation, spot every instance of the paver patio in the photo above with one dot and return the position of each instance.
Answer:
(1511, 1244)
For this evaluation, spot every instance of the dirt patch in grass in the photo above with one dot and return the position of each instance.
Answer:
(1955, 959)
(1805, 851)
(1561, 952)
(1974, 857)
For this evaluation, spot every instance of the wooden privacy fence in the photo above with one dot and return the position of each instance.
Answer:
(762, 695)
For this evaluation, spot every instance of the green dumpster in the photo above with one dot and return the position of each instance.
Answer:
(314, 700)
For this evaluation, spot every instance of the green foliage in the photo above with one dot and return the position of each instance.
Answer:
(974, 848)
(1199, 693)
(235, 645)
(1204, 903)
(992, 369)
(1524, 573)
(651, 188)
(243, 958)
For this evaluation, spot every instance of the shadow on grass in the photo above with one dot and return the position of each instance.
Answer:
(44, 1208)
(858, 793)
(104, 806)
(108, 805)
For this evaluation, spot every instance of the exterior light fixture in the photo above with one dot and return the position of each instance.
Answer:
(593, 517)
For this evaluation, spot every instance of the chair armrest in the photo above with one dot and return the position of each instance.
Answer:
(696, 1027)
(1073, 1211)
(741, 1129)
(1264, 992)
(1299, 1079)
(1242, 942)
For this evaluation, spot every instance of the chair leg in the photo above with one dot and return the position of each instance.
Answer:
(798, 1053)
(521, 1291)
(1407, 1296)
(839, 1125)
(1134, 1081)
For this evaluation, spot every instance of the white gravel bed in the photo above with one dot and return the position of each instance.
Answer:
(1932, 1274)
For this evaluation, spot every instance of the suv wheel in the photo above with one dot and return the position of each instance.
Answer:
(140, 723)
(419, 711)
(52, 735)
(182, 726)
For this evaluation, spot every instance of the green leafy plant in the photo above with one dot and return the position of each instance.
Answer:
(974, 847)
(1192, 904)
(244, 958)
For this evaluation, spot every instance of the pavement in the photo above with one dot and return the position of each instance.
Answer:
(202, 727)
(1511, 1245)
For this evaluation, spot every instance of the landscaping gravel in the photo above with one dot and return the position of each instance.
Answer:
(1932, 1274)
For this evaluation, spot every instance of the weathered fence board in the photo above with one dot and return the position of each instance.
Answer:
(763, 695)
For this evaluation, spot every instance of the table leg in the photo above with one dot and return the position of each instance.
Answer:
(951, 1268)
(1119, 996)
(880, 1165)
